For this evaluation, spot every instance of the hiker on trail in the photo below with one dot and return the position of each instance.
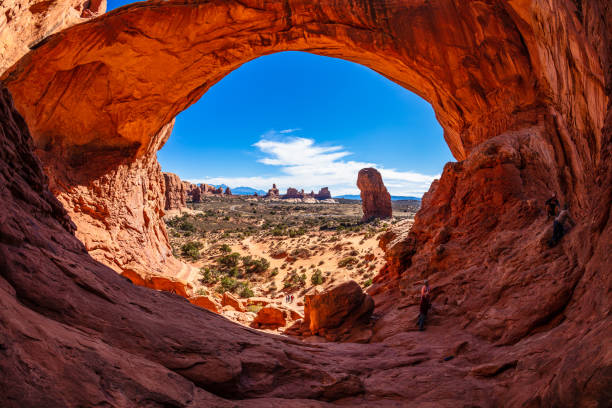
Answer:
(551, 206)
(425, 304)
(291, 298)
(561, 225)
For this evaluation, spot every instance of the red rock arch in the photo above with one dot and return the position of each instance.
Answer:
(114, 82)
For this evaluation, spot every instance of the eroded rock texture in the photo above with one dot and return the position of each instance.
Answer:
(375, 199)
(24, 24)
(174, 191)
(522, 89)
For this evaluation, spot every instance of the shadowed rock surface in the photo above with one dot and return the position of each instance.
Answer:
(522, 89)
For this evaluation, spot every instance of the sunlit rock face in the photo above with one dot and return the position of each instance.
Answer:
(375, 199)
(174, 191)
(24, 24)
(525, 109)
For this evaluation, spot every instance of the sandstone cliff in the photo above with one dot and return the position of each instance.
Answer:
(174, 191)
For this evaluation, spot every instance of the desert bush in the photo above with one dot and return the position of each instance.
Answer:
(245, 291)
(225, 248)
(228, 285)
(201, 292)
(348, 261)
(255, 265)
(274, 272)
(229, 261)
(208, 277)
(367, 283)
(254, 308)
(192, 249)
(317, 277)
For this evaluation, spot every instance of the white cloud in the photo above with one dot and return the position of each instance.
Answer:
(286, 131)
(303, 164)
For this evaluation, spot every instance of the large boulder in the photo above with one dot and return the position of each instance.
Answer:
(340, 305)
(231, 300)
(375, 199)
(206, 302)
(270, 317)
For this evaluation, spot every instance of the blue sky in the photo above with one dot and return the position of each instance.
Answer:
(306, 121)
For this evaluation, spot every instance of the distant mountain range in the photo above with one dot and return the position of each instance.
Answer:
(393, 198)
(243, 190)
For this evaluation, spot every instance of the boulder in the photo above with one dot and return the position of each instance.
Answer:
(230, 300)
(270, 317)
(344, 303)
(206, 302)
(375, 199)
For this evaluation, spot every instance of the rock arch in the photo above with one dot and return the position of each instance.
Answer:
(522, 90)
(98, 97)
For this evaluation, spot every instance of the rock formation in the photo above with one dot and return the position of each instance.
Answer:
(270, 317)
(323, 194)
(27, 23)
(334, 312)
(228, 191)
(273, 192)
(195, 194)
(293, 193)
(375, 199)
(525, 108)
(174, 191)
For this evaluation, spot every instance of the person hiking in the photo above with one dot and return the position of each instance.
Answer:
(425, 304)
(551, 206)
(291, 298)
(561, 225)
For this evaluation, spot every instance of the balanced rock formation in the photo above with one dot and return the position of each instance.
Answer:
(174, 191)
(334, 312)
(525, 108)
(375, 199)
(228, 191)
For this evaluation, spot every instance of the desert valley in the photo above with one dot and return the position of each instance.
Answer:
(122, 285)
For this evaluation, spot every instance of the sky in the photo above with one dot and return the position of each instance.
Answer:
(306, 121)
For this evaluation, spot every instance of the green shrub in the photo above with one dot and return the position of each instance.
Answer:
(317, 277)
(245, 291)
(348, 261)
(274, 272)
(255, 265)
(225, 248)
(254, 308)
(367, 283)
(208, 277)
(228, 284)
(192, 249)
(201, 292)
(229, 261)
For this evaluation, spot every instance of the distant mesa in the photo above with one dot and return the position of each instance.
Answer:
(293, 193)
(375, 199)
